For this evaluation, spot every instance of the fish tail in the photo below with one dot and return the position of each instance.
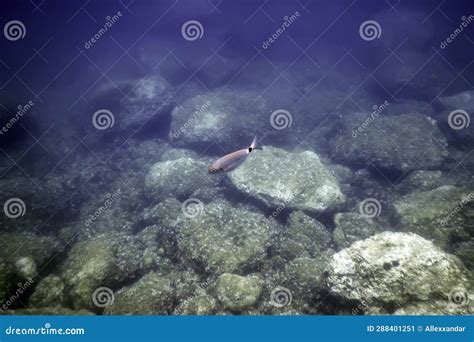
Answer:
(254, 145)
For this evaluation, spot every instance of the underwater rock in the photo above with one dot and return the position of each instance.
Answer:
(223, 238)
(442, 215)
(394, 269)
(49, 293)
(237, 292)
(104, 261)
(304, 236)
(47, 312)
(22, 258)
(179, 177)
(441, 307)
(136, 104)
(216, 118)
(352, 227)
(464, 100)
(153, 294)
(197, 305)
(420, 180)
(304, 277)
(283, 179)
(403, 142)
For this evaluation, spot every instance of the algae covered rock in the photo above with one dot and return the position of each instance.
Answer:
(351, 227)
(237, 292)
(216, 118)
(152, 294)
(104, 261)
(420, 180)
(50, 292)
(303, 236)
(197, 305)
(443, 214)
(179, 177)
(305, 277)
(404, 142)
(296, 180)
(223, 238)
(392, 270)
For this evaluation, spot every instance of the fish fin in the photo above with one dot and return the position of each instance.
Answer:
(254, 145)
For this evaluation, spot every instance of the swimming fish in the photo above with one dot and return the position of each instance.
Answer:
(233, 160)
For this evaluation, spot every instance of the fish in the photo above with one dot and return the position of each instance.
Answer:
(233, 160)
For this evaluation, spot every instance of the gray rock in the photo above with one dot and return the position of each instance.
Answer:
(305, 277)
(23, 256)
(104, 261)
(304, 236)
(197, 305)
(441, 215)
(420, 180)
(351, 227)
(237, 292)
(153, 294)
(49, 293)
(223, 238)
(179, 177)
(216, 118)
(393, 270)
(403, 142)
(296, 180)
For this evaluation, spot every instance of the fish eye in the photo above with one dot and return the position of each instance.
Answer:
(250, 149)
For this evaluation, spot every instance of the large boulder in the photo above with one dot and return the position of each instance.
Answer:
(402, 142)
(303, 237)
(179, 177)
(351, 227)
(225, 118)
(153, 294)
(391, 270)
(237, 292)
(107, 260)
(296, 180)
(443, 215)
(221, 237)
(23, 257)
